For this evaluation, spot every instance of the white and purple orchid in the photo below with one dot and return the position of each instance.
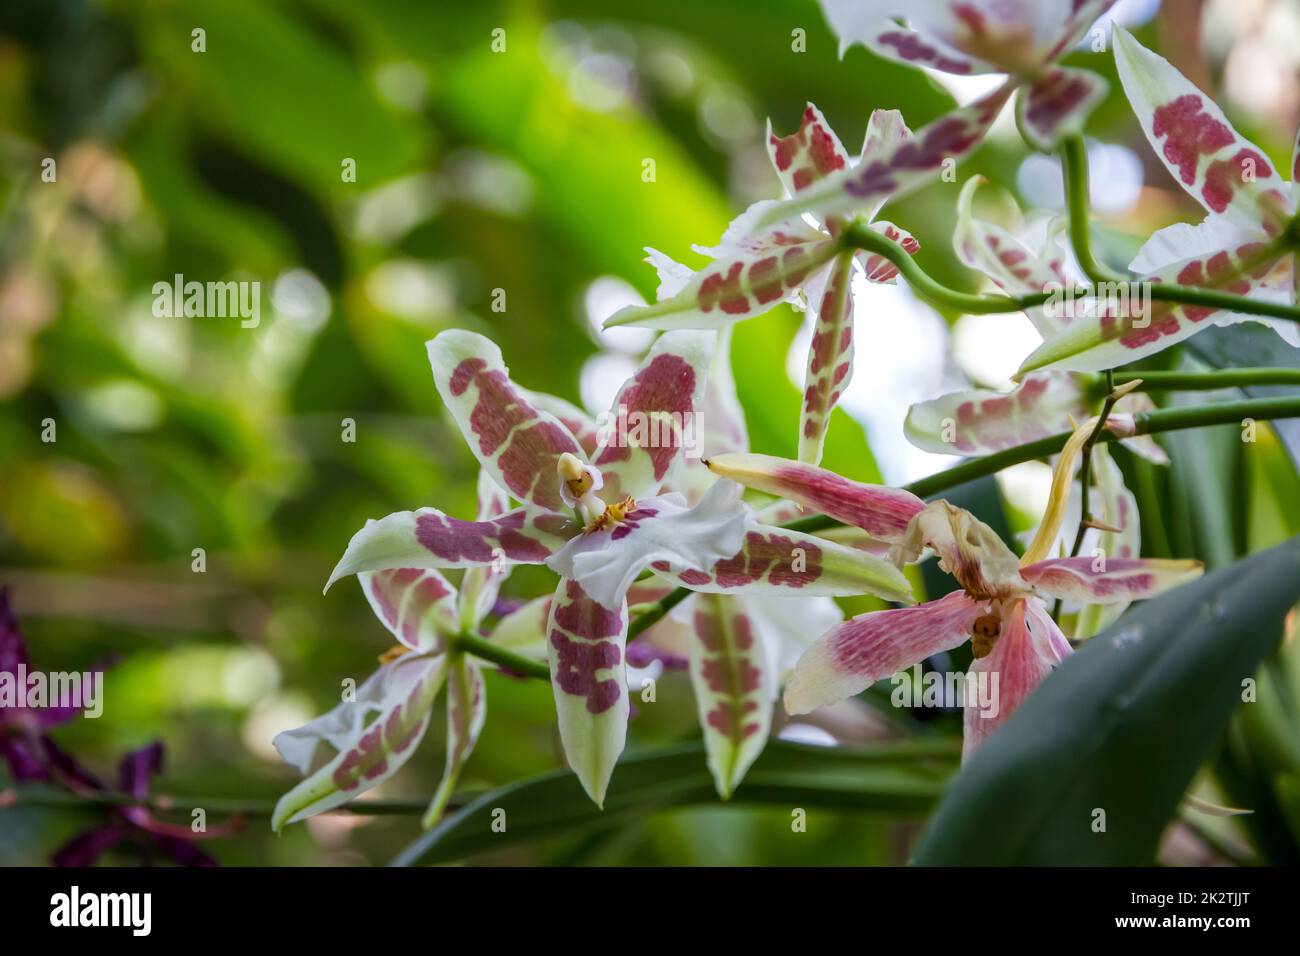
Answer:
(799, 262)
(1022, 38)
(1046, 402)
(1245, 246)
(599, 519)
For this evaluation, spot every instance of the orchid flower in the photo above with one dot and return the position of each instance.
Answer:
(25, 744)
(1245, 245)
(375, 734)
(982, 421)
(796, 262)
(135, 826)
(599, 520)
(737, 648)
(1023, 38)
(999, 609)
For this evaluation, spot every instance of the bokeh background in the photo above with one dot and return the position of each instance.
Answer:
(476, 171)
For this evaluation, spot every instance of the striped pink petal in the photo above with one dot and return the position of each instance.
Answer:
(1029, 646)
(979, 422)
(418, 605)
(881, 511)
(870, 647)
(810, 153)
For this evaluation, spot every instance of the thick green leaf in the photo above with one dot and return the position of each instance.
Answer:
(1252, 346)
(891, 779)
(1121, 727)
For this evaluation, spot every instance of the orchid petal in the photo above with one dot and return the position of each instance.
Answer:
(893, 171)
(881, 269)
(810, 153)
(968, 549)
(870, 647)
(1029, 647)
(1057, 104)
(653, 421)
(830, 358)
(885, 130)
(466, 712)
(744, 280)
(374, 736)
(1104, 579)
(516, 442)
(430, 539)
(585, 647)
(990, 249)
(661, 531)
(1108, 337)
(979, 422)
(524, 629)
(418, 605)
(783, 561)
(580, 425)
(734, 688)
(482, 582)
(881, 511)
(1219, 168)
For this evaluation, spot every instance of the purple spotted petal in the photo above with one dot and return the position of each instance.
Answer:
(374, 735)
(514, 440)
(654, 420)
(585, 646)
(430, 539)
(1057, 104)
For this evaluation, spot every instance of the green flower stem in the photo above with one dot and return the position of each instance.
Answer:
(1147, 423)
(1074, 168)
(483, 648)
(1158, 381)
(858, 235)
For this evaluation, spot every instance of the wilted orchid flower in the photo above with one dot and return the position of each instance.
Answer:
(1023, 38)
(982, 421)
(999, 609)
(135, 826)
(25, 744)
(376, 732)
(752, 273)
(599, 521)
(1246, 244)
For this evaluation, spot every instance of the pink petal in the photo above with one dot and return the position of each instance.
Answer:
(1028, 648)
(1103, 580)
(881, 511)
(854, 655)
(514, 440)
